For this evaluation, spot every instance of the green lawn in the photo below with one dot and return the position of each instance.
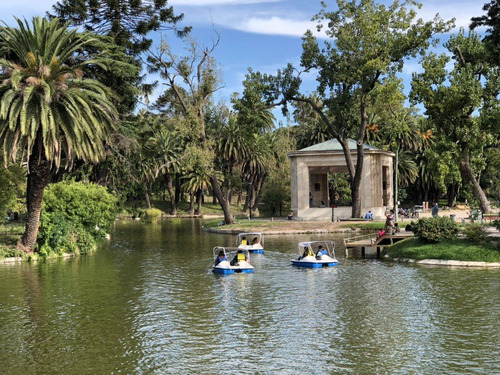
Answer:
(456, 249)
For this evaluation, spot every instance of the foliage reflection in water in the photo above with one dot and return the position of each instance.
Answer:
(148, 303)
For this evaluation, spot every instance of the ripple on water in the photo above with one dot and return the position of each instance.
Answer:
(149, 304)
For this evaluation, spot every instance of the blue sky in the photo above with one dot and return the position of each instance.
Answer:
(262, 34)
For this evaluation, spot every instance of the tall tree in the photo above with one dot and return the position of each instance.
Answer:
(130, 25)
(49, 111)
(191, 82)
(492, 21)
(128, 22)
(462, 103)
(368, 42)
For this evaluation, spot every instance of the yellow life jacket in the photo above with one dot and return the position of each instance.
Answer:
(241, 257)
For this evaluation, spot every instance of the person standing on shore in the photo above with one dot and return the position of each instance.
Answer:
(435, 210)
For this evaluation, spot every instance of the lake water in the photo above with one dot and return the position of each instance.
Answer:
(148, 303)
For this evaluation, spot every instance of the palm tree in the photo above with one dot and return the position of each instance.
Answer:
(195, 183)
(255, 170)
(164, 155)
(407, 168)
(49, 112)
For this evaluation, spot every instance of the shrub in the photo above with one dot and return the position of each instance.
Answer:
(55, 235)
(74, 215)
(151, 215)
(476, 233)
(435, 229)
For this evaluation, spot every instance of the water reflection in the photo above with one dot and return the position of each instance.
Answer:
(149, 304)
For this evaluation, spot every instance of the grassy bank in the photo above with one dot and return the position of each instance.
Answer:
(261, 225)
(293, 226)
(456, 249)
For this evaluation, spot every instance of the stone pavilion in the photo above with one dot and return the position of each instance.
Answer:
(313, 167)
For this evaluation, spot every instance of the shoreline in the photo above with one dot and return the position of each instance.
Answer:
(278, 232)
(446, 263)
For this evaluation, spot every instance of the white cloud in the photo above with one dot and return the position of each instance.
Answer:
(275, 26)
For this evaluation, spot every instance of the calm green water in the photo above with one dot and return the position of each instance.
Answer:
(149, 304)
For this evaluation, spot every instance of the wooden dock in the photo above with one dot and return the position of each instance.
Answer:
(372, 240)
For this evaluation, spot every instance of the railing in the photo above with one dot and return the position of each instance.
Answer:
(370, 236)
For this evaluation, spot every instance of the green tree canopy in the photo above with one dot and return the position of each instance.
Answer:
(50, 112)
(367, 43)
(462, 103)
(128, 22)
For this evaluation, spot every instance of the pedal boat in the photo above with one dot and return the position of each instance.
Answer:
(309, 255)
(241, 262)
(244, 241)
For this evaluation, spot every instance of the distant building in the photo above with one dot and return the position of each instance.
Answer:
(311, 167)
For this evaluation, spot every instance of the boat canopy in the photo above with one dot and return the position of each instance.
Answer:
(313, 246)
(228, 250)
(250, 237)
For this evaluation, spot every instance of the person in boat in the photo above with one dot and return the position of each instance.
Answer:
(321, 251)
(240, 256)
(306, 253)
(244, 241)
(220, 258)
(255, 241)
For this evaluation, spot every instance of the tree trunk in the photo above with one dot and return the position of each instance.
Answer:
(39, 177)
(247, 200)
(452, 195)
(148, 200)
(226, 207)
(356, 180)
(171, 193)
(356, 196)
(191, 204)
(419, 191)
(177, 190)
(258, 193)
(199, 200)
(468, 177)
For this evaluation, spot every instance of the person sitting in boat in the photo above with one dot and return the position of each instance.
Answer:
(306, 253)
(239, 257)
(244, 241)
(255, 241)
(220, 258)
(321, 251)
